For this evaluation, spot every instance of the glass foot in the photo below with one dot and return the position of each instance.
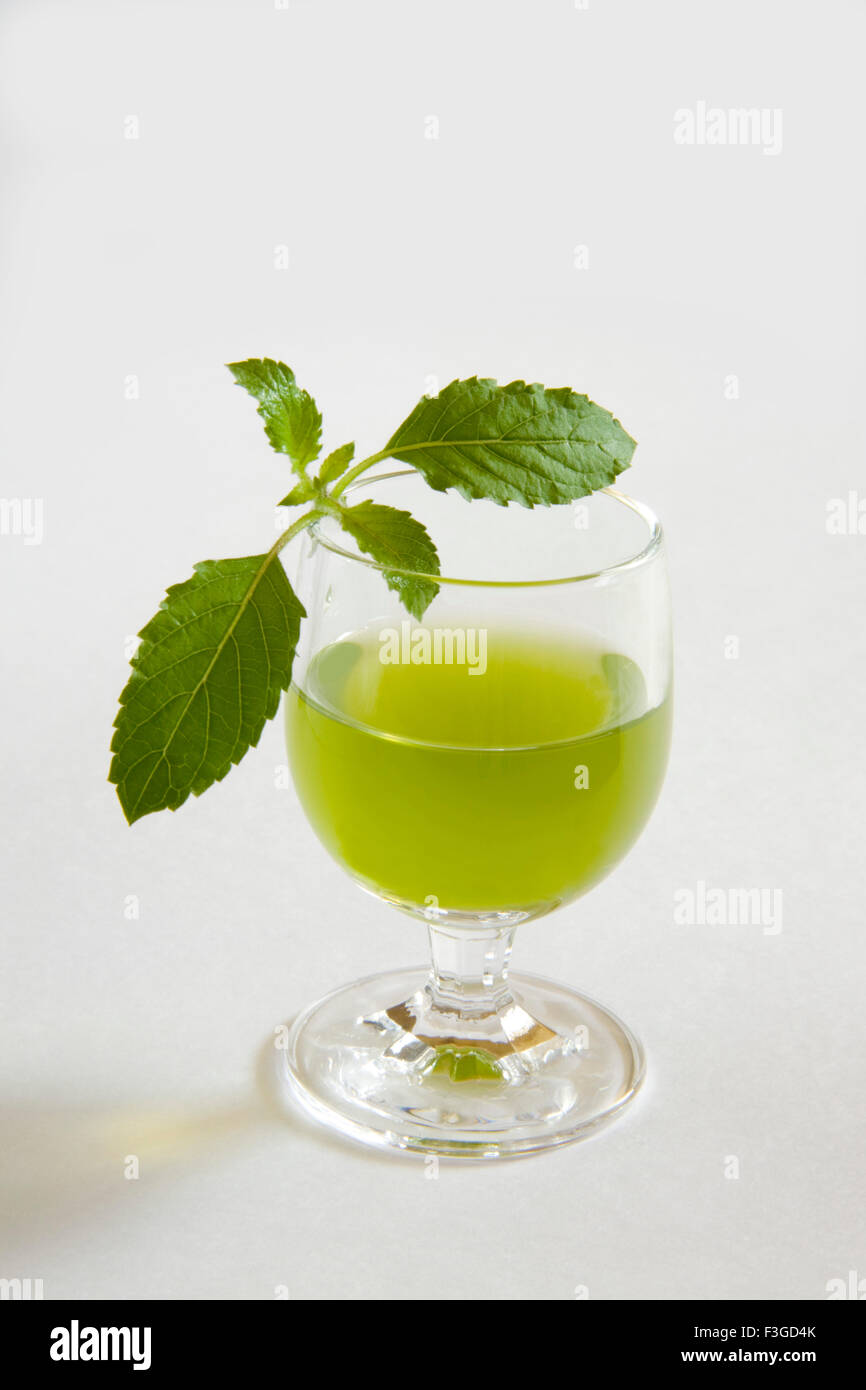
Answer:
(394, 1062)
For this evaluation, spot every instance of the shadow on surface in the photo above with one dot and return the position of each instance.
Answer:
(62, 1165)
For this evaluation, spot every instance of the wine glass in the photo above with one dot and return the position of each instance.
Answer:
(478, 768)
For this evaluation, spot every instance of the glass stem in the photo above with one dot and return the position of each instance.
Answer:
(466, 1006)
(469, 970)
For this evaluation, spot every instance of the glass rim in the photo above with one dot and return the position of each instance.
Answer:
(641, 557)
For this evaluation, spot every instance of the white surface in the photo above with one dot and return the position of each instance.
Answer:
(410, 257)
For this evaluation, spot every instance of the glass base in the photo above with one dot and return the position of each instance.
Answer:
(384, 1062)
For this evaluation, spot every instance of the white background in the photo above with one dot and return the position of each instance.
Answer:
(411, 257)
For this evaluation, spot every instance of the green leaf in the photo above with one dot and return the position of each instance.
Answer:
(396, 539)
(514, 443)
(208, 673)
(336, 463)
(302, 493)
(292, 421)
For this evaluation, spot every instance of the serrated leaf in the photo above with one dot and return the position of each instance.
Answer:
(336, 463)
(395, 538)
(302, 493)
(292, 421)
(515, 443)
(209, 672)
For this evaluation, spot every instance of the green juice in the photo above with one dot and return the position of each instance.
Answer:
(440, 784)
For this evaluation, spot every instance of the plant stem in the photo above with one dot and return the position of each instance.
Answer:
(300, 525)
(321, 507)
(356, 471)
